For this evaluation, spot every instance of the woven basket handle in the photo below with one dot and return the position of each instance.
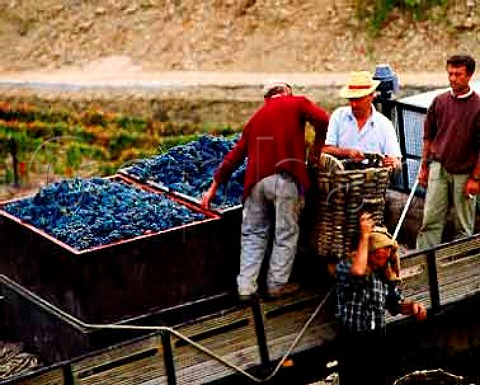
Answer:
(329, 164)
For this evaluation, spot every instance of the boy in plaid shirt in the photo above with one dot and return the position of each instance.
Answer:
(367, 286)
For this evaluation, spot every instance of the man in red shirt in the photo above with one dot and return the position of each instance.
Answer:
(276, 178)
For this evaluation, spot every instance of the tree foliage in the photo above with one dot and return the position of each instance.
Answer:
(377, 11)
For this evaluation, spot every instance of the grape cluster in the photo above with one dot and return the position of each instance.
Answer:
(188, 169)
(85, 213)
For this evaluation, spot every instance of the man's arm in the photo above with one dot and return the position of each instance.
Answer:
(208, 197)
(423, 173)
(472, 186)
(429, 133)
(413, 308)
(397, 304)
(392, 152)
(231, 161)
(318, 118)
(331, 142)
(360, 260)
(343, 152)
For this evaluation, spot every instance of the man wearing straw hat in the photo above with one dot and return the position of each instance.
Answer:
(359, 128)
(276, 178)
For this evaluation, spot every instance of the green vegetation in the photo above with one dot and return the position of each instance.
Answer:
(377, 12)
(68, 143)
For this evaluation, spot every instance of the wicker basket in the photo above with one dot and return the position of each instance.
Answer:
(343, 190)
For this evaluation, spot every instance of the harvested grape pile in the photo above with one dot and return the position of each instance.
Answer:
(85, 213)
(189, 169)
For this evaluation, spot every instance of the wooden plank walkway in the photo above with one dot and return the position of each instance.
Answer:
(453, 268)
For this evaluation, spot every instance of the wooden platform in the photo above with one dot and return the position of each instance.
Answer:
(437, 277)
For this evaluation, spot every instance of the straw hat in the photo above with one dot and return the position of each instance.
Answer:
(359, 84)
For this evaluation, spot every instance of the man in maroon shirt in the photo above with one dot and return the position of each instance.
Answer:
(451, 155)
(273, 141)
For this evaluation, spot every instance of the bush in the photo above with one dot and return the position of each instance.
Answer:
(377, 11)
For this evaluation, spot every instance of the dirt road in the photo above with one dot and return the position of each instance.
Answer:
(134, 77)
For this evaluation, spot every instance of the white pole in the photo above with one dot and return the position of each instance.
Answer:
(405, 209)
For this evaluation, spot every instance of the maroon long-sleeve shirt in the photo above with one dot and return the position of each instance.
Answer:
(273, 140)
(453, 128)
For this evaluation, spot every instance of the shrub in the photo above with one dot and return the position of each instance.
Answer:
(377, 11)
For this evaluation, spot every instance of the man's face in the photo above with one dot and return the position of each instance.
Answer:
(361, 106)
(378, 258)
(459, 79)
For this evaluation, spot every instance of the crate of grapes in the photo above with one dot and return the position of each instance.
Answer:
(108, 249)
(186, 171)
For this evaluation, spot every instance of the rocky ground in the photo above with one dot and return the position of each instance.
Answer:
(228, 35)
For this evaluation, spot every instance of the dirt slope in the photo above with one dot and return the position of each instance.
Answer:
(233, 35)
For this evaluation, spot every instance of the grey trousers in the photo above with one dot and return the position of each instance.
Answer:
(274, 201)
(441, 185)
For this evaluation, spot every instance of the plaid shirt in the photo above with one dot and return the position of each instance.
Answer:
(362, 301)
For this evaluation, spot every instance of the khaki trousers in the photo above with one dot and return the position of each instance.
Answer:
(442, 186)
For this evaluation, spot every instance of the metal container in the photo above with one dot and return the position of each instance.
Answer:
(231, 220)
(121, 280)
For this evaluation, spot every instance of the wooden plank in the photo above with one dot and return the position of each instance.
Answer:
(124, 363)
(132, 373)
(282, 331)
(49, 377)
(116, 352)
(458, 276)
(415, 279)
(457, 249)
(238, 346)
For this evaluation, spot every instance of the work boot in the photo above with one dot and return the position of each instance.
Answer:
(282, 290)
(247, 297)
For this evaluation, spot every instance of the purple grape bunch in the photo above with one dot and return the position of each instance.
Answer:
(85, 213)
(188, 169)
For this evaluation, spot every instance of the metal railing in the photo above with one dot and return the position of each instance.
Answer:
(437, 277)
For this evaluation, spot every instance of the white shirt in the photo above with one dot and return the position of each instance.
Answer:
(377, 135)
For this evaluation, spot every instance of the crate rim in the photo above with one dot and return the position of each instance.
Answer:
(210, 216)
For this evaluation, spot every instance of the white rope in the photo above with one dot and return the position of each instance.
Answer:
(423, 373)
(210, 352)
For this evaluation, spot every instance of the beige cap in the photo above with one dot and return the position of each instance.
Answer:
(274, 83)
(380, 238)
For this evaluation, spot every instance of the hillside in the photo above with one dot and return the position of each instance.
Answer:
(233, 35)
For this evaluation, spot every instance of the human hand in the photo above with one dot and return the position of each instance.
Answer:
(472, 187)
(314, 154)
(418, 311)
(366, 224)
(209, 195)
(391, 162)
(423, 175)
(354, 154)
